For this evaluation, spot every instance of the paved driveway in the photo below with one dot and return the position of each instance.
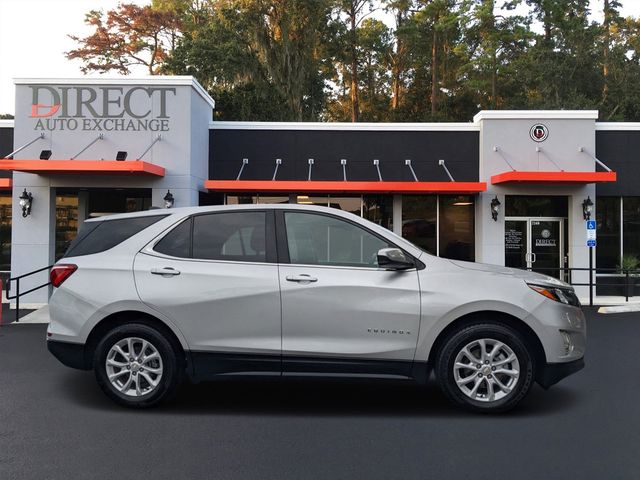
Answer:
(56, 424)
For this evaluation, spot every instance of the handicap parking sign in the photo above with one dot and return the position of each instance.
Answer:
(591, 233)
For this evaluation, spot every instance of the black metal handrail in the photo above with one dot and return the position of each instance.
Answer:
(18, 293)
(561, 271)
(618, 272)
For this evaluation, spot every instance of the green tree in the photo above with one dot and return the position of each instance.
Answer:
(129, 35)
(493, 42)
(402, 11)
(216, 49)
(348, 14)
(286, 35)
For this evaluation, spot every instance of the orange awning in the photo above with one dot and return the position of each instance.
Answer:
(314, 186)
(80, 167)
(553, 177)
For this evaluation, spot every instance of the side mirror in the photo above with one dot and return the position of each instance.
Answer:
(394, 259)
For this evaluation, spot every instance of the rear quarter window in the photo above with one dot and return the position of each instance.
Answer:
(96, 237)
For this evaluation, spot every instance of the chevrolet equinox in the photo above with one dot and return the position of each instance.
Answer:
(146, 299)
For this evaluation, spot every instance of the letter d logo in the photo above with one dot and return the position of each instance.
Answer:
(37, 107)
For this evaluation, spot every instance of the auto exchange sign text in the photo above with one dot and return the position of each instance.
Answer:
(101, 109)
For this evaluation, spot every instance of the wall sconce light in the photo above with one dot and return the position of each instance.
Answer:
(26, 199)
(587, 208)
(495, 208)
(121, 156)
(45, 154)
(168, 200)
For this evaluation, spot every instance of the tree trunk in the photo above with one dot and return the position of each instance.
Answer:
(395, 86)
(355, 104)
(607, 41)
(434, 72)
(396, 65)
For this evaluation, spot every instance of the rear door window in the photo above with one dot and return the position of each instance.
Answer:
(235, 236)
(231, 236)
(96, 237)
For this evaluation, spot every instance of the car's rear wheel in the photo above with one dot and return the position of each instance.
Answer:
(485, 367)
(136, 366)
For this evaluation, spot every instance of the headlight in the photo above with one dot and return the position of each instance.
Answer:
(562, 295)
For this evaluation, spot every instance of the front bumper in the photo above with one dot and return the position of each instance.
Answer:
(70, 354)
(551, 373)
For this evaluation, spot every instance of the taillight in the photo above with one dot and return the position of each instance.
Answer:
(59, 273)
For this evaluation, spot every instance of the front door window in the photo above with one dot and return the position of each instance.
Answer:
(315, 239)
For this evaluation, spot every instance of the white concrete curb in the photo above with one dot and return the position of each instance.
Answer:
(39, 316)
(620, 309)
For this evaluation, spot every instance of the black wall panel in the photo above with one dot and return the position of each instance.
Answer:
(6, 147)
(620, 151)
(295, 147)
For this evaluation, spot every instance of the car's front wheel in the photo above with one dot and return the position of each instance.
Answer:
(485, 367)
(136, 366)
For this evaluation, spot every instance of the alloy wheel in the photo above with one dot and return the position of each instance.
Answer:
(134, 366)
(486, 370)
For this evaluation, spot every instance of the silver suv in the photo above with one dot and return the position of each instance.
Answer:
(148, 298)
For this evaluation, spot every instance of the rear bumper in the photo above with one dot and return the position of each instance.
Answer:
(70, 354)
(552, 373)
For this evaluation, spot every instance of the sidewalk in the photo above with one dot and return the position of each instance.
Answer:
(40, 315)
(610, 300)
(9, 315)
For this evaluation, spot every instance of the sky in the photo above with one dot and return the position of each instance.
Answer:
(34, 37)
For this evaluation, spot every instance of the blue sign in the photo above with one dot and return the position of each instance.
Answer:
(591, 233)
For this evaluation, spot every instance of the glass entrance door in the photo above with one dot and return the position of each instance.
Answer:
(545, 246)
(536, 244)
(516, 246)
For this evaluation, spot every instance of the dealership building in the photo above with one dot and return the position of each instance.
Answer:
(509, 188)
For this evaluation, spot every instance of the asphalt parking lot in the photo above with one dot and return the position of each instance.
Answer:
(56, 424)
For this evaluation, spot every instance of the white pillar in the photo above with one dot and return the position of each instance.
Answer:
(32, 238)
(397, 214)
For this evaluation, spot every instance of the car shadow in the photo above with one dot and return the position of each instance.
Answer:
(303, 397)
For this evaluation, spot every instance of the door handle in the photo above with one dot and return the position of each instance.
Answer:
(303, 277)
(165, 271)
(533, 257)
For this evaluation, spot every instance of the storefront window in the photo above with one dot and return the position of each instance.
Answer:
(317, 200)
(378, 209)
(5, 232)
(535, 206)
(420, 221)
(117, 200)
(240, 199)
(631, 226)
(457, 232)
(266, 199)
(608, 217)
(347, 204)
(66, 222)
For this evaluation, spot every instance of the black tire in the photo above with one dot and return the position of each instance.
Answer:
(457, 340)
(172, 365)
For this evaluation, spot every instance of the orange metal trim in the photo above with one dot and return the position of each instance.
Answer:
(82, 167)
(5, 183)
(554, 177)
(313, 186)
